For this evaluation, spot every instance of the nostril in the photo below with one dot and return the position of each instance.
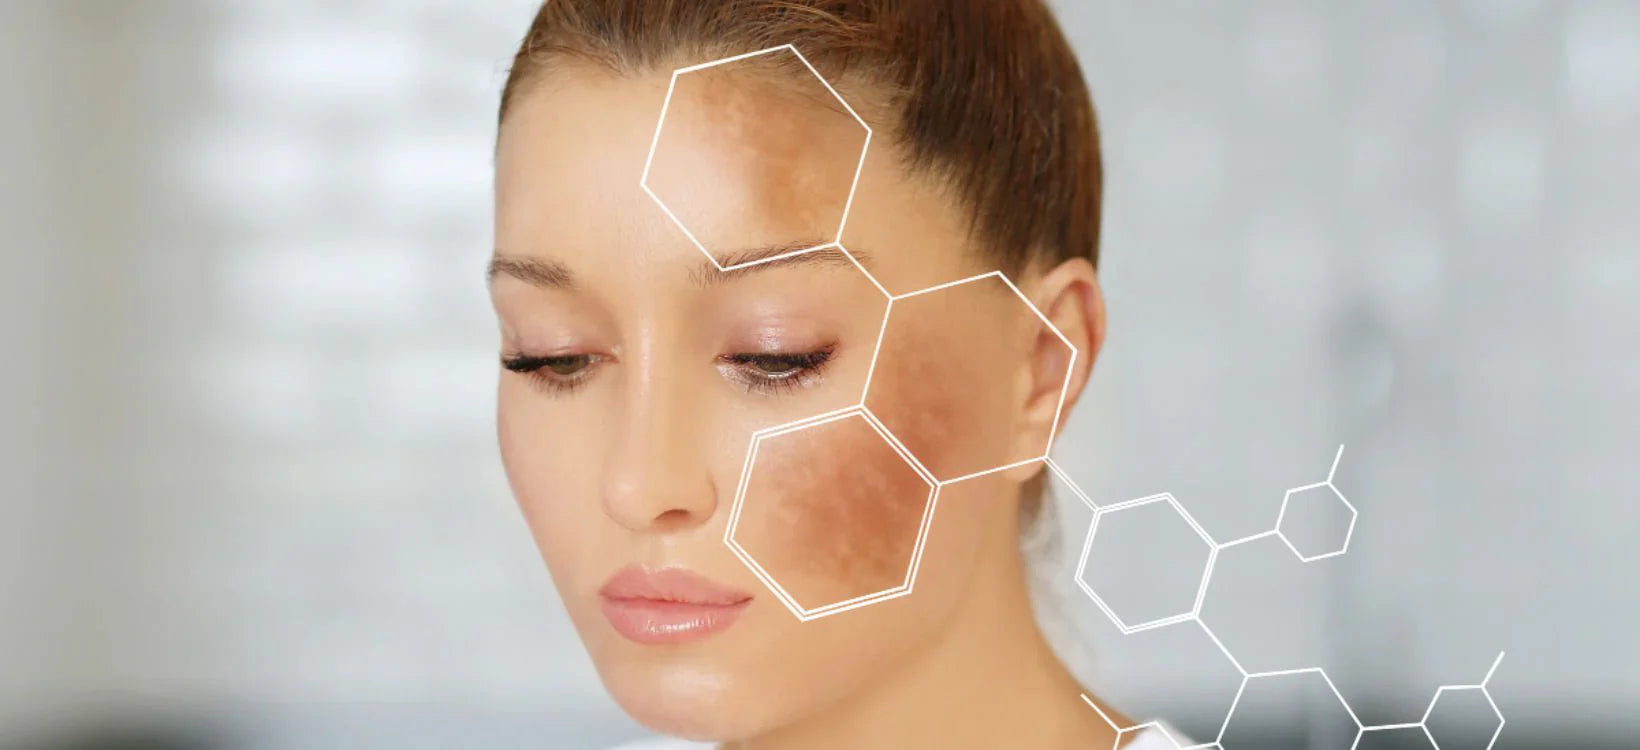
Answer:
(673, 517)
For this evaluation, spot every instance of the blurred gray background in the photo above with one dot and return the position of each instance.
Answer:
(248, 490)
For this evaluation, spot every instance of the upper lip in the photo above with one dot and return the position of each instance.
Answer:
(678, 585)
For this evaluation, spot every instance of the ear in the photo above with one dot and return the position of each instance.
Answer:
(1057, 365)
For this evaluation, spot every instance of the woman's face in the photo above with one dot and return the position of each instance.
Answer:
(636, 374)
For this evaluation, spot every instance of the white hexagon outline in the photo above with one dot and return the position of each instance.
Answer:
(1388, 728)
(802, 613)
(1485, 692)
(1422, 723)
(1064, 476)
(1162, 729)
(1328, 483)
(1231, 714)
(1155, 725)
(1064, 387)
(1443, 690)
(848, 205)
(1201, 588)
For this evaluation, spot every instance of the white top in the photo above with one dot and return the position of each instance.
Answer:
(1148, 738)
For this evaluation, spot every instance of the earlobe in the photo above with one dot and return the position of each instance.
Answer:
(1059, 359)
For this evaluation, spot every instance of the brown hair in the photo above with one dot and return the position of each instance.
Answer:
(984, 95)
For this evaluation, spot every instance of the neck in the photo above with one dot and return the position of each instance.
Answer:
(987, 679)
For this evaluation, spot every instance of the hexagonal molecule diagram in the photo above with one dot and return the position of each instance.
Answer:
(1146, 563)
(1465, 716)
(1303, 699)
(1394, 738)
(740, 166)
(1126, 734)
(1316, 520)
(935, 374)
(830, 536)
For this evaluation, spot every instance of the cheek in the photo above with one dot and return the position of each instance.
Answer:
(832, 512)
(943, 386)
(519, 453)
(536, 464)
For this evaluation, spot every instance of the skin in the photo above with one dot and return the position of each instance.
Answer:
(836, 529)
(975, 398)
(639, 462)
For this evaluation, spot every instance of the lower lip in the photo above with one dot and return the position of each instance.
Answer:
(650, 621)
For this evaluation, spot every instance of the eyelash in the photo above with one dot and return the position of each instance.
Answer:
(539, 371)
(797, 369)
(757, 371)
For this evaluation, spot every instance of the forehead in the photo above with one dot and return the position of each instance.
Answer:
(789, 153)
(741, 158)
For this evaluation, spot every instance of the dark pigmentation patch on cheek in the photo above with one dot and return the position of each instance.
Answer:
(832, 512)
(943, 380)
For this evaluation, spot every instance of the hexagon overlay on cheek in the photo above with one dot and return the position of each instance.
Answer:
(947, 374)
(745, 156)
(831, 514)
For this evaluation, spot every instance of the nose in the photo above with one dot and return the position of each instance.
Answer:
(657, 478)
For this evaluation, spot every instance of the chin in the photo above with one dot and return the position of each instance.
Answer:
(684, 700)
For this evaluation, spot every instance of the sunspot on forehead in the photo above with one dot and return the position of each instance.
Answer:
(548, 273)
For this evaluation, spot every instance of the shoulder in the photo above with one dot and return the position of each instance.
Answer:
(1158, 736)
(664, 743)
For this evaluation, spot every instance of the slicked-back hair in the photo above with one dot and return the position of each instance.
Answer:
(984, 96)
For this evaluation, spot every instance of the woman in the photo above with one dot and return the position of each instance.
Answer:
(651, 327)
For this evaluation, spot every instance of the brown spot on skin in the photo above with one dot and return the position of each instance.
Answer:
(945, 382)
(745, 160)
(832, 512)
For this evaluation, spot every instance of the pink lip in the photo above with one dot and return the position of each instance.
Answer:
(668, 605)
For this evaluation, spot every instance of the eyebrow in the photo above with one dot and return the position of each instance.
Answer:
(538, 272)
(785, 255)
(551, 274)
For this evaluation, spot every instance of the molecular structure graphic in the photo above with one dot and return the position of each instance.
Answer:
(1303, 508)
(1297, 502)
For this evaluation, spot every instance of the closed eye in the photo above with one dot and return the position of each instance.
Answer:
(758, 372)
(776, 372)
(560, 373)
